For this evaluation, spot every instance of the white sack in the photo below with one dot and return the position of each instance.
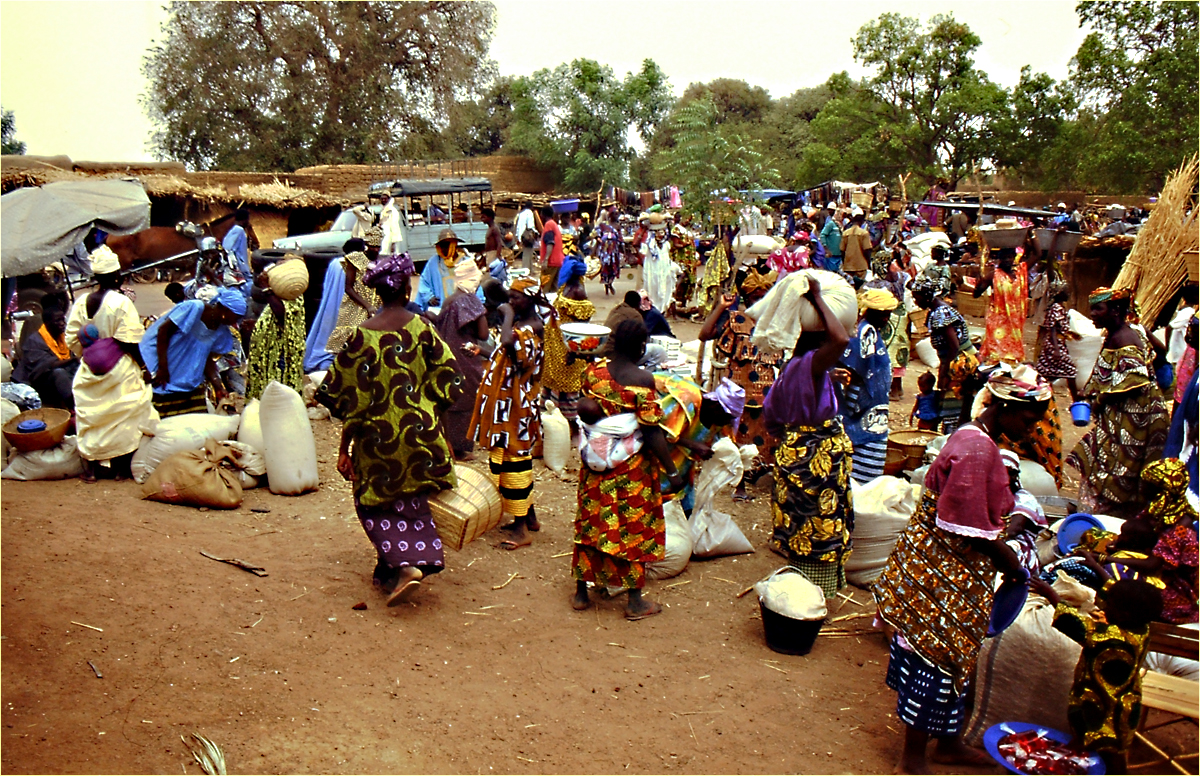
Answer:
(784, 313)
(1172, 665)
(8, 411)
(714, 533)
(746, 245)
(1036, 480)
(882, 509)
(5, 370)
(679, 544)
(288, 445)
(927, 354)
(556, 439)
(177, 434)
(54, 463)
(1084, 351)
(250, 431)
(790, 593)
(922, 244)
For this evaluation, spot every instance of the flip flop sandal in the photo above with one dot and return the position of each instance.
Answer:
(655, 609)
(404, 592)
(744, 497)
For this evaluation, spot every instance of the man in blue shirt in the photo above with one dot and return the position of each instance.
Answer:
(236, 243)
(831, 238)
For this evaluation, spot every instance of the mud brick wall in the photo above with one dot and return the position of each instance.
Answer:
(507, 173)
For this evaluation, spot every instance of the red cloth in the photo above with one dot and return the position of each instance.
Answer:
(972, 483)
(556, 252)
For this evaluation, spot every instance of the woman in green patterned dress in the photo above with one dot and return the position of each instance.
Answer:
(277, 343)
(389, 385)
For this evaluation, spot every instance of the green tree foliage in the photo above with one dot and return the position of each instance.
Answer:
(8, 128)
(282, 85)
(480, 127)
(1136, 74)
(1028, 138)
(576, 119)
(708, 157)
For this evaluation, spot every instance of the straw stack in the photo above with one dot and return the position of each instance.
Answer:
(1157, 265)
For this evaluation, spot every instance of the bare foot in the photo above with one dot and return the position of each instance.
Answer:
(955, 752)
(650, 609)
(519, 537)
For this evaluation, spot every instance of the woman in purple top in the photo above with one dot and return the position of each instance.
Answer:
(811, 507)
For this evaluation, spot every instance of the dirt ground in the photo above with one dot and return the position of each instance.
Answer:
(489, 670)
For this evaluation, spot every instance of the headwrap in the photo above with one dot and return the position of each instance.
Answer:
(570, 248)
(467, 276)
(881, 263)
(1105, 294)
(876, 299)
(572, 268)
(758, 281)
(731, 397)
(88, 335)
(373, 237)
(389, 272)
(934, 286)
(1022, 383)
(527, 286)
(232, 300)
(1171, 505)
(104, 261)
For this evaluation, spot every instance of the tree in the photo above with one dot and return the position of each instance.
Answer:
(709, 158)
(280, 85)
(8, 128)
(1027, 137)
(576, 119)
(1136, 74)
(480, 127)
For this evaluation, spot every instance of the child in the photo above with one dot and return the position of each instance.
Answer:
(1105, 701)
(1026, 520)
(1054, 362)
(926, 407)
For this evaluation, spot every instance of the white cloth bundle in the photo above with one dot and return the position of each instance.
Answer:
(784, 313)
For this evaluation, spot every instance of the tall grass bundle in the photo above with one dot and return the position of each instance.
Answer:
(1158, 264)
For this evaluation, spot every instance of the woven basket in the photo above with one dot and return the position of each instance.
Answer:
(56, 421)
(968, 304)
(288, 279)
(1192, 259)
(912, 443)
(861, 198)
(469, 511)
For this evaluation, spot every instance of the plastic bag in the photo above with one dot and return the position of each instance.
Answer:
(288, 445)
(8, 411)
(250, 431)
(788, 592)
(679, 544)
(55, 463)
(176, 434)
(556, 433)
(714, 533)
(1084, 351)
(197, 478)
(784, 313)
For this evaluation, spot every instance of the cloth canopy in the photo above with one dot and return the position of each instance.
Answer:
(41, 225)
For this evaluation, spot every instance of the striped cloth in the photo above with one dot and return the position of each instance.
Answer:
(513, 477)
(867, 460)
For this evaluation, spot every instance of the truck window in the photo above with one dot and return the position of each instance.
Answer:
(343, 223)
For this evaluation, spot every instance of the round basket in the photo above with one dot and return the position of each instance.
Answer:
(288, 279)
(895, 462)
(912, 442)
(56, 421)
(468, 511)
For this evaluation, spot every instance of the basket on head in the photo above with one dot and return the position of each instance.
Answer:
(468, 511)
(56, 421)
(288, 279)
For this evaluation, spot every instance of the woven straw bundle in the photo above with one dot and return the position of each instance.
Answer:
(469, 511)
(288, 279)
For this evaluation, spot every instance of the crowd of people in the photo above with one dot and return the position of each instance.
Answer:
(423, 370)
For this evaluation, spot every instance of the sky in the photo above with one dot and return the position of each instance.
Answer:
(71, 71)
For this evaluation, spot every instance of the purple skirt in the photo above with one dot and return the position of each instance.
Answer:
(404, 534)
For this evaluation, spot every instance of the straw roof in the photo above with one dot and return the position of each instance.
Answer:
(1158, 265)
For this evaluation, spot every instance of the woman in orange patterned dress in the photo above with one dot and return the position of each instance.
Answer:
(619, 526)
(1006, 312)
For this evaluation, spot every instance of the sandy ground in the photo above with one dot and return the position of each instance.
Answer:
(485, 672)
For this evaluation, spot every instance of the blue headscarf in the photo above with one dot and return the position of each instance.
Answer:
(232, 300)
(572, 268)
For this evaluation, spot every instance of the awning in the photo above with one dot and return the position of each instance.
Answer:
(40, 225)
(967, 207)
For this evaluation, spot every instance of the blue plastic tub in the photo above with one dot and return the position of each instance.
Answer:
(1072, 528)
(1081, 413)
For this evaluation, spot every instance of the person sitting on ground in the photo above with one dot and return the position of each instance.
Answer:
(656, 322)
(1105, 703)
(180, 350)
(47, 364)
(619, 525)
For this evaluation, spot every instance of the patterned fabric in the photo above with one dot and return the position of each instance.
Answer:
(389, 388)
(1130, 429)
(1170, 506)
(962, 368)
(1177, 549)
(609, 249)
(751, 368)
(277, 350)
(716, 270)
(1006, 317)
(864, 403)
(456, 325)
(181, 403)
(1042, 444)
(812, 509)
(688, 260)
(351, 315)
(1106, 697)
(508, 411)
(1054, 361)
(1183, 373)
(404, 534)
(943, 317)
(926, 698)
(937, 591)
(680, 399)
(513, 477)
(619, 524)
(557, 374)
(895, 338)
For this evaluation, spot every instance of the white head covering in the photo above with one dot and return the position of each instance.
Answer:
(104, 261)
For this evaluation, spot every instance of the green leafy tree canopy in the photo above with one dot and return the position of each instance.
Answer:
(8, 128)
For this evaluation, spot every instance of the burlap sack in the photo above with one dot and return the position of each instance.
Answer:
(197, 478)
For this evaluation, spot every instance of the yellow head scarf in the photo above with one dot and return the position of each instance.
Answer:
(876, 299)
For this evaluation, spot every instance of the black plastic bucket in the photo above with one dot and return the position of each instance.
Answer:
(787, 635)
